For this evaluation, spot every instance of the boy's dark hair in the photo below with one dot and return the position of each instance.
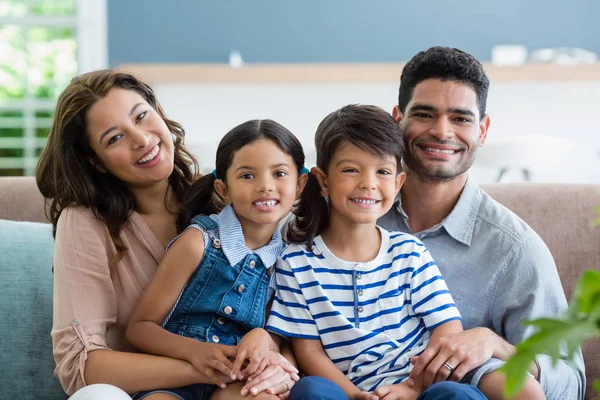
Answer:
(201, 197)
(367, 127)
(446, 64)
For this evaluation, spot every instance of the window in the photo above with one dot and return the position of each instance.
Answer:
(43, 44)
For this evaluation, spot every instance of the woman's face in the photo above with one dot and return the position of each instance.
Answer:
(130, 139)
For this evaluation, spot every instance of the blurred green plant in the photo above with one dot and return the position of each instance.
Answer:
(580, 322)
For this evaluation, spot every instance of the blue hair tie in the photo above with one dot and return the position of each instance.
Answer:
(304, 170)
(214, 173)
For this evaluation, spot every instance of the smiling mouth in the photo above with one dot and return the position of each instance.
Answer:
(438, 151)
(266, 203)
(367, 202)
(149, 156)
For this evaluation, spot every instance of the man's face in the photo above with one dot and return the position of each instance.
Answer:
(442, 129)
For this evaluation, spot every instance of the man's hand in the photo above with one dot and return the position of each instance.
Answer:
(364, 396)
(461, 351)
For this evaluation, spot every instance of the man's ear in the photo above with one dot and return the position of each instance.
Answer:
(222, 191)
(397, 114)
(322, 179)
(484, 126)
(302, 179)
(96, 163)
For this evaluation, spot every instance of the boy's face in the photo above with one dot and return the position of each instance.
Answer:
(442, 129)
(361, 186)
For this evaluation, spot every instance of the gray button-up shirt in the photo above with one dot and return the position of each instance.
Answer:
(500, 273)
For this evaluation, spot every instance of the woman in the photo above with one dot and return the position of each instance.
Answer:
(113, 172)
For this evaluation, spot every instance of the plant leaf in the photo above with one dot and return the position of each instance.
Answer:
(597, 386)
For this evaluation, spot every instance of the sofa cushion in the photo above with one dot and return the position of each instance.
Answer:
(26, 250)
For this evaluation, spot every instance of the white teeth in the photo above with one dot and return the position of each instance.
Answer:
(440, 151)
(364, 201)
(150, 156)
(268, 203)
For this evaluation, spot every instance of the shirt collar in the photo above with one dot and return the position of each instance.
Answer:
(234, 245)
(460, 223)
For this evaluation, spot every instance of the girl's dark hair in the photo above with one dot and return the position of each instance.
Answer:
(64, 174)
(367, 127)
(201, 198)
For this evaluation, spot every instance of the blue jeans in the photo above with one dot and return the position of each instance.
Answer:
(318, 388)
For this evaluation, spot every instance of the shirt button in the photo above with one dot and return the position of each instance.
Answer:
(360, 292)
(228, 310)
(221, 320)
(252, 264)
(358, 276)
(215, 338)
(241, 288)
(360, 309)
(74, 322)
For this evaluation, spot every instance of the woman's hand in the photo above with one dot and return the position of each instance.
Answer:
(208, 358)
(254, 347)
(274, 380)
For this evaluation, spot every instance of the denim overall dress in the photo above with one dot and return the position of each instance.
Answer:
(222, 301)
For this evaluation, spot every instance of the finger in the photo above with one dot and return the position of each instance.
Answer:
(220, 365)
(382, 391)
(461, 370)
(252, 367)
(434, 367)
(237, 364)
(211, 375)
(422, 361)
(445, 373)
(279, 388)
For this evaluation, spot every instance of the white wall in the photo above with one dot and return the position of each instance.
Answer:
(569, 112)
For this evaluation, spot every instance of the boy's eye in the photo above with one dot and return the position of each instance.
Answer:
(280, 174)
(350, 170)
(247, 176)
(140, 116)
(113, 139)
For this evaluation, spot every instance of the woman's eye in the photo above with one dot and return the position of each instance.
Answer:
(114, 139)
(140, 116)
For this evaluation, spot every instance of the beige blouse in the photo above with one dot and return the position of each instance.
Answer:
(92, 300)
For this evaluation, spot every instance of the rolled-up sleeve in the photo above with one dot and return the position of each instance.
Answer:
(85, 303)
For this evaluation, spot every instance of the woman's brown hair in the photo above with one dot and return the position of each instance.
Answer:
(65, 175)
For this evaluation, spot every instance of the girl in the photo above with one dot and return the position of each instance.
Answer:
(207, 301)
(358, 301)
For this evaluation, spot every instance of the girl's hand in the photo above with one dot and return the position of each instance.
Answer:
(274, 380)
(254, 347)
(275, 358)
(210, 357)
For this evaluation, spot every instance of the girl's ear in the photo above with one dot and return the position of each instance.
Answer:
(96, 163)
(322, 179)
(222, 190)
(302, 179)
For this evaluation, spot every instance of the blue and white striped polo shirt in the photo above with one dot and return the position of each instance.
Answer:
(371, 317)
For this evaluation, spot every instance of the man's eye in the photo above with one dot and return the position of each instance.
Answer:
(422, 115)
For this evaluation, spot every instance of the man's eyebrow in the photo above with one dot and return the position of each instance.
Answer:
(422, 107)
(463, 111)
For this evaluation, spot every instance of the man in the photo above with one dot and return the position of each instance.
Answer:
(498, 270)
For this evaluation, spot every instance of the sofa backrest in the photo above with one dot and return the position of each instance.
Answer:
(20, 200)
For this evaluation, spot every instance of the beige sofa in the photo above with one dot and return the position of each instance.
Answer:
(560, 213)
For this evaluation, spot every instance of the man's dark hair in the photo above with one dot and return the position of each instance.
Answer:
(446, 64)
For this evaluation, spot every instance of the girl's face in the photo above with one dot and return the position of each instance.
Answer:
(361, 186)
(262, 184)
(130, 139)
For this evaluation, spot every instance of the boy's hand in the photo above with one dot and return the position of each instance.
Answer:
(254, 347)
(400, 391)
(210, 357)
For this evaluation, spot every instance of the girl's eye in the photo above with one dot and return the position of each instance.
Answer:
(140, 116)
(247, 176)
(384, 172)
(114, 139)
(280, 174)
